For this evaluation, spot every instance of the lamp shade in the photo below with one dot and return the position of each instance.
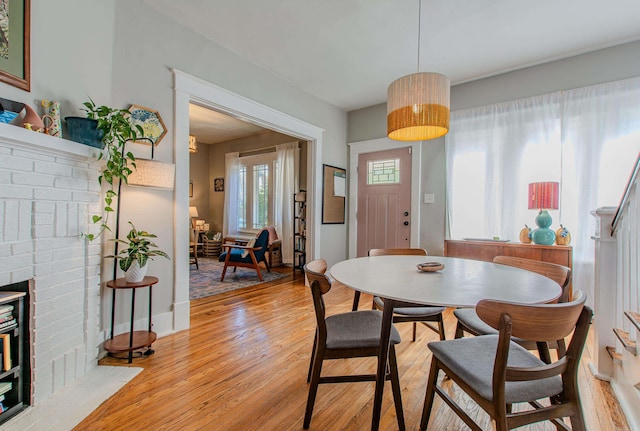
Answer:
(193, 212)
(543, 196)
(152, 173)
(418, 107)
(193, 144)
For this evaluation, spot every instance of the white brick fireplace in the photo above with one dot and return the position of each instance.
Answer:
(48, 189)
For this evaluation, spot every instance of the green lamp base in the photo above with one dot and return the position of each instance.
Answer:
(543, 235)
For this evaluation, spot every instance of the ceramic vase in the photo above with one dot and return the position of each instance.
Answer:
(52, 120)
(135, 273)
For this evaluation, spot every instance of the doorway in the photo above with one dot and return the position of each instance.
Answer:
(357, 148)
(384, 200)
(188, 89)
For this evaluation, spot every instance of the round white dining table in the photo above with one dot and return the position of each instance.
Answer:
(461, 283)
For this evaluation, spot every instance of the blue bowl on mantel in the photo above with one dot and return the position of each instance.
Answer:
(85, 131)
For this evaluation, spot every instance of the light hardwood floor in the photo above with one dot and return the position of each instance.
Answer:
(243, 366)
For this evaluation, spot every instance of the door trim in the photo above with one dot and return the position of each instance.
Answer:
(357, 148)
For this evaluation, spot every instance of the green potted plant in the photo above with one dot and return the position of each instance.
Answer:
(139, 249)
(116, 131)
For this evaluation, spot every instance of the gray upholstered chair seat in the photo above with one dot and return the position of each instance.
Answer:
(411, 311)
(472, 359)
(358, 329)
(471, 320)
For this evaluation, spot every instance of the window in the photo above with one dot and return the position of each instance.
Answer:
(256, 179)
(383, 172)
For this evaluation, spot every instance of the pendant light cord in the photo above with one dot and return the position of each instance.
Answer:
(419, 19)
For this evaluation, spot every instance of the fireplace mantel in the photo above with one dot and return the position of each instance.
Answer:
(28, 139)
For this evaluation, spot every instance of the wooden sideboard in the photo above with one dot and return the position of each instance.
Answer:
(487, 250)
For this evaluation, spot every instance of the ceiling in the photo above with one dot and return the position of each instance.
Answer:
(347, 52)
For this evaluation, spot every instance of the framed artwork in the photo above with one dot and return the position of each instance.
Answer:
(334, 191)
(151, 122)
(218, 184)
(15, 47)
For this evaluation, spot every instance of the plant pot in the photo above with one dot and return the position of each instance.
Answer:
(135, 274)
(85, 131)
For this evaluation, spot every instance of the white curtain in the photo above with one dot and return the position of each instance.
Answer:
(600, 143)
(493, 153)
(231, 167)
(587, 139)
(288, 156)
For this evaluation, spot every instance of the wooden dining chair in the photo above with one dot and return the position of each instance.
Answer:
(431, 317)
(496, 372)
(469, 321)
(346, 335)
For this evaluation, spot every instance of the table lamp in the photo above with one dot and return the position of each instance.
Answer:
(193, 213)
(543, 197)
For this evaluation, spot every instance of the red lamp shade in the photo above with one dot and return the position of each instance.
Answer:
(543, 196)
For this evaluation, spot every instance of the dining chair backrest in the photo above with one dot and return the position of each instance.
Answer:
(397, 251)
(319, 284)
(558, 273)
(536, 322)
(315, 271)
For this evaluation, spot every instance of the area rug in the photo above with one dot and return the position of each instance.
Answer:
(205, 281)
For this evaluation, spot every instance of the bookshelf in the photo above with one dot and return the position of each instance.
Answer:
(299, 230)
(14, 394)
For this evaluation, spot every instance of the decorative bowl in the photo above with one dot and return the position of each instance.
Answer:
(430, 266)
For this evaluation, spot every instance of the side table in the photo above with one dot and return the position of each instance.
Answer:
(132, 340)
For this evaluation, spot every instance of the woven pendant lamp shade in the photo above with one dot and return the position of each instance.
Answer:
(418, 107)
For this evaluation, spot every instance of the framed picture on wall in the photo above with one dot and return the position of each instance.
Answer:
(15, 51)
(334, 190)
(218, 184)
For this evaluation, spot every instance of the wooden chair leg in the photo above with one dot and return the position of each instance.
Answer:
(313, 387)
(255, 264)
(356, 300)
(459, 331)
(226, 263)
(313, 356)
(395, 386)
(431, 392)
(443, 335)
(415, 325)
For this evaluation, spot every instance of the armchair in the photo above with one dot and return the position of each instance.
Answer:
(249, 255)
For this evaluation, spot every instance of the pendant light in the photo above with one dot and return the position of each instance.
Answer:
(418, 105)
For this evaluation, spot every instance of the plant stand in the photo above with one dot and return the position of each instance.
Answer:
(132, 340)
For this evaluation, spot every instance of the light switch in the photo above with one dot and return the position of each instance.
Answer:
(429, 198)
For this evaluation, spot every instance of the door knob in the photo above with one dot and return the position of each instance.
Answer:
(406, 223)
(406, 213)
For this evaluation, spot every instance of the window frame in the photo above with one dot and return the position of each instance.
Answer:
(248, 163)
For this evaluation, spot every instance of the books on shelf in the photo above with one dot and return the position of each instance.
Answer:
(6, 353)
(8, 323)
(5, 387)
